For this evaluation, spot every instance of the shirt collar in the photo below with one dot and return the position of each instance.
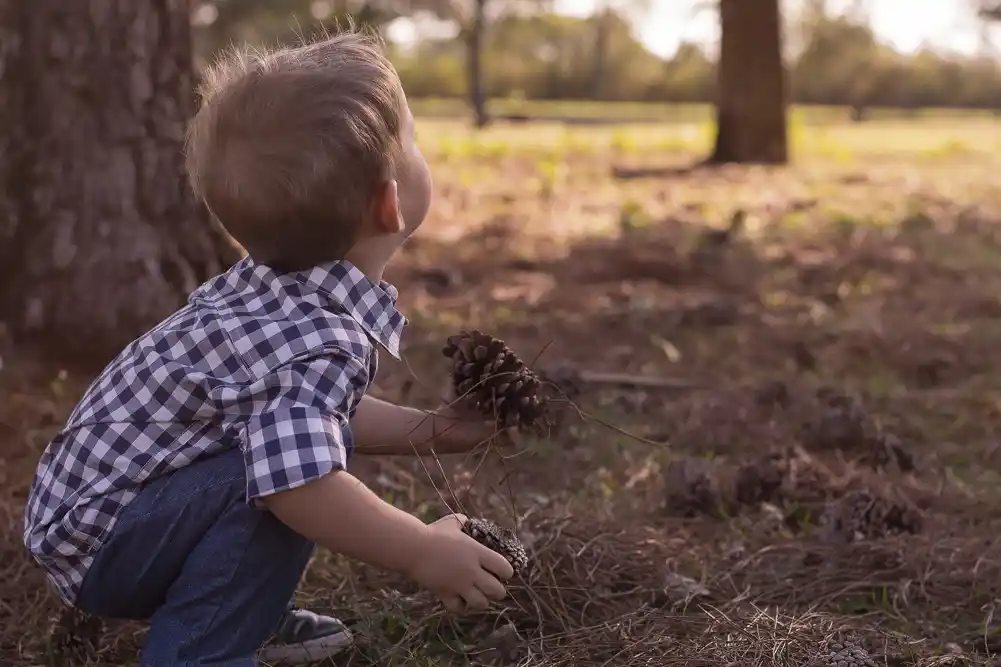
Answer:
(371, 304)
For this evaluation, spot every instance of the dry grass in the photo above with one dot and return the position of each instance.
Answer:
(842, 346)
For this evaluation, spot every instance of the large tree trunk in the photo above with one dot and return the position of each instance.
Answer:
(751, 85)
(99, 236)
(474, 64)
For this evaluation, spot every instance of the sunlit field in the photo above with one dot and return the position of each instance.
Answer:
(814, 133)
(669, 112)
(781, 398)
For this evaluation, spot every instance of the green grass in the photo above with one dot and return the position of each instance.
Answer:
(928, 139)
(683, 113)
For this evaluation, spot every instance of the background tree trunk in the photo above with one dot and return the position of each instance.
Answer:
(751, 86)
(474, 64)
(13, 146)
(599, 65)
(99, 235)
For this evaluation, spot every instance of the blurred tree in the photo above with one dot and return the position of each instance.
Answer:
(689, 75)
(838, 64)
(99, 237)
(990, 10)
(609, 16)
(532, 53)
(549, 56)
(474, 34)
(473, 18)
(798, 20)
(751, 88)
(218, 23)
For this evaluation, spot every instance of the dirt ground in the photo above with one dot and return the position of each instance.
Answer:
(780, 425)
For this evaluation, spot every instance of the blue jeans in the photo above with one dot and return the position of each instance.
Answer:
(211, 574)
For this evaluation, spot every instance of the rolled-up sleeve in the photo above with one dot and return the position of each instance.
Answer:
(296, 432)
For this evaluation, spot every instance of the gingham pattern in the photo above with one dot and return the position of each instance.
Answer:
(271, 363)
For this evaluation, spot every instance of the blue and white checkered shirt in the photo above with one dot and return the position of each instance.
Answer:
(274, 364)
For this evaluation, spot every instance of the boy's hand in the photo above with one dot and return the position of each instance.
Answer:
(463, 433)
(454, 408)
(467, 427)
(463, 573)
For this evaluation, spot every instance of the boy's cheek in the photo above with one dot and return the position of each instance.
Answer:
(415, 199)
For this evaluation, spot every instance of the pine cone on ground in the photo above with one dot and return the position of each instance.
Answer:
(784, 475)
(847, 653)
(861, 515)
(693, 488)
(499, 539)
(488, 375)
(887, 450)
(74, 637)
(761, 481)
(841, 422)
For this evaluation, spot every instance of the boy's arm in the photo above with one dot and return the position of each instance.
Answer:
(340, 513)
(384, 428)
(294, 450)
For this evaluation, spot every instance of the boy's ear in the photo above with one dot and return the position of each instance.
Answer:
(387, 209)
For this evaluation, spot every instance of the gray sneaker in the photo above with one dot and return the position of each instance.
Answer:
(303, 637)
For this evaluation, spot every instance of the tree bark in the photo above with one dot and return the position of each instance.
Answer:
(474, 64)
(100, 237)
(751, 85)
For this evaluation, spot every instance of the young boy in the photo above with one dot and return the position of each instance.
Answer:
(193, 479)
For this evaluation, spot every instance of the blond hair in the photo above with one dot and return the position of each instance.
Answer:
(290, 146)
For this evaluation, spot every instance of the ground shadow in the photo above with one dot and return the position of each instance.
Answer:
(793, 369)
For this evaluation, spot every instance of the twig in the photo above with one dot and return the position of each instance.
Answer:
(587, 417)
(636, 381)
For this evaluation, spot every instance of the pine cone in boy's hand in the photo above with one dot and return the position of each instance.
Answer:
(490, 377)
(499, 539)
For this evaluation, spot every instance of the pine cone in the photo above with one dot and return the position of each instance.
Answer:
(847, 653)
(842, 422)
(490, 377)
(693, 487)
(783, 476)
(499, 539)
(860, 515)
(762, 480)
(74, 637)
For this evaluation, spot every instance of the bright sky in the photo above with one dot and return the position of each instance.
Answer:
(907, 24)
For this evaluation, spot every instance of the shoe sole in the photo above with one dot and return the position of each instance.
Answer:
(314, 650)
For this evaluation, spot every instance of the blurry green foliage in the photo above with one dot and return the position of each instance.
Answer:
(533, 54)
